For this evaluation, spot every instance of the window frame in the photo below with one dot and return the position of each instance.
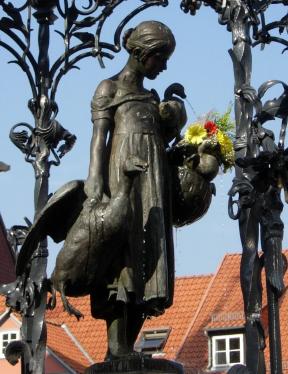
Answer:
(150, 335)
(227, 338)
(9, 332)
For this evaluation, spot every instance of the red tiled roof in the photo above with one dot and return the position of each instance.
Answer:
(59, 341)
(201, 304)
(89, 332)
(188, 294)
(63, 346)
(2, 304)
(194, 352)
(226, 287)
(222, 307)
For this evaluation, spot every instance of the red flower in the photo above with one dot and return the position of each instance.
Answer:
(210, 127)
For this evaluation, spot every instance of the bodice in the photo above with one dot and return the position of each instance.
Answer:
(137, 117)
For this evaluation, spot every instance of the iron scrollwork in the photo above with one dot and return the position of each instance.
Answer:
(38, 142)
(260, 205)
(261, 164)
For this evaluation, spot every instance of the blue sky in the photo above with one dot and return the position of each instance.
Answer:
(201, 63)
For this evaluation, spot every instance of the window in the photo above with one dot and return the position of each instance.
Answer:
(227, 350)
(152, 341)
(5, 338)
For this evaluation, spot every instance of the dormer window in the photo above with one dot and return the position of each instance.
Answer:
(5, 338)
(152, 341)
(227, 350)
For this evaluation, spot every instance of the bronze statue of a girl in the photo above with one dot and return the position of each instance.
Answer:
(126, 119)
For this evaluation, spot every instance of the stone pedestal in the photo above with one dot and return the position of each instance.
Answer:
(136, 365)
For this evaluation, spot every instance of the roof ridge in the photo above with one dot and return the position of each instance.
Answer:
(195, 276)
(77, 343)
(199, 308)
(232, 254)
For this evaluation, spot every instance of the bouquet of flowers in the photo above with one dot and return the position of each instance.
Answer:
(213, 135)
(206, 146)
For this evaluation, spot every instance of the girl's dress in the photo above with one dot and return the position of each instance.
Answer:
(142, 270)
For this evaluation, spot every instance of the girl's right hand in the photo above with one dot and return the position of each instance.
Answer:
(94, 190)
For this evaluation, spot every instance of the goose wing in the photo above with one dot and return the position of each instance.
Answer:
(54, 220)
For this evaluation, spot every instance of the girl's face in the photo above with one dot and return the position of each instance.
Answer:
(155, 64)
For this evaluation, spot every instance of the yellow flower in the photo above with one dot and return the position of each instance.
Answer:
(195, 134)
(226, 148)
